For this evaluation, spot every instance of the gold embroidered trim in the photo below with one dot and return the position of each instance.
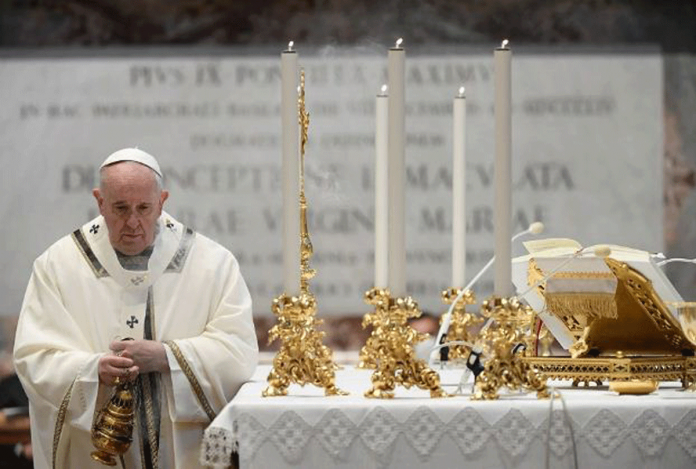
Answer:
(193, 381)
(150, 420)
(143, 462)
(588, 304)
(534, 274)
(88, 254)
(149, 396)
(584, 275)
(60, 420)
(179, 258)
(150, 315)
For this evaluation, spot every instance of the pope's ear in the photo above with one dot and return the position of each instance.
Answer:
(163, 197)
(100, 200)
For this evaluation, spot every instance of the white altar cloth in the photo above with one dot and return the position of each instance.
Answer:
(307, 430)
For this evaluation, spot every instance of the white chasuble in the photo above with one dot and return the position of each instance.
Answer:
(191, 297)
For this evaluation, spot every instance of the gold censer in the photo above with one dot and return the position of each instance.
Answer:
(112, 432)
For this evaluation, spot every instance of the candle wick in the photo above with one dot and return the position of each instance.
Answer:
(504, 44)
(290, 44)
(461, 92)
(383, 91)
(399, 42)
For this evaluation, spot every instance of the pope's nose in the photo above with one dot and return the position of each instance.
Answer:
(132, 221)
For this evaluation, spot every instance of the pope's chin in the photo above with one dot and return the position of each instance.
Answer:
(130, 245)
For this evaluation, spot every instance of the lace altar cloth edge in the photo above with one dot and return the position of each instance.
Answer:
(596, 417)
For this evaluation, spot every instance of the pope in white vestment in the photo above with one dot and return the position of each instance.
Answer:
(190, 299)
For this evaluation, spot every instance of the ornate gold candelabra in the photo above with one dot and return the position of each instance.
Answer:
(379, 298)
(461, 322)
(112, 432)
(302, 358)
(392, 349)
(505, 367)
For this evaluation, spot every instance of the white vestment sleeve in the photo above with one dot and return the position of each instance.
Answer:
(207, 370)
(50, 354)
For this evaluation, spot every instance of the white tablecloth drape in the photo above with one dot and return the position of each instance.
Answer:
(308, 430)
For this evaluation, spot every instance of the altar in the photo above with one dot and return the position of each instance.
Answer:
(598, 428)
(604, 304)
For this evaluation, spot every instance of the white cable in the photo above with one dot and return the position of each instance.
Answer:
(462, 381)
(547, 457)
(534, 228)
(569, 423)
(599, 251)
(676, 259)
(454, 342)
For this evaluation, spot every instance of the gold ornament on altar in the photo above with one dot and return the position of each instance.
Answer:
(461, 323)
(614, 310)
(687, 320)
(112, 432)
(545, 339)
(302, 358)
(379, 298)
(392, 348)
(510, 325)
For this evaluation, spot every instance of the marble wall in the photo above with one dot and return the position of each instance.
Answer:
(99, 23)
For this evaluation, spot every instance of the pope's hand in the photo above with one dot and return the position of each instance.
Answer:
(147, 355)
(114, 366)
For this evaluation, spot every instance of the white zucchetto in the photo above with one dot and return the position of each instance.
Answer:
(133, 154)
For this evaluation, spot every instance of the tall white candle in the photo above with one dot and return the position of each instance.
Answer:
(459, 190)
(291, 172)
(503, 171)
(397, 171)
(381, 189)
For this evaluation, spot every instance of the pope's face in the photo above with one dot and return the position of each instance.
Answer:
(130, 202)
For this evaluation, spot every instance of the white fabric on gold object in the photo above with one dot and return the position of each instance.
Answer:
(73, 310)
(565, 256)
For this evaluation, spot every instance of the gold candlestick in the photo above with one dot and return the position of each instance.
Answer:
(302, 358)
(378, 319)
(505, 366)
(461, 322)
(395, 357)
